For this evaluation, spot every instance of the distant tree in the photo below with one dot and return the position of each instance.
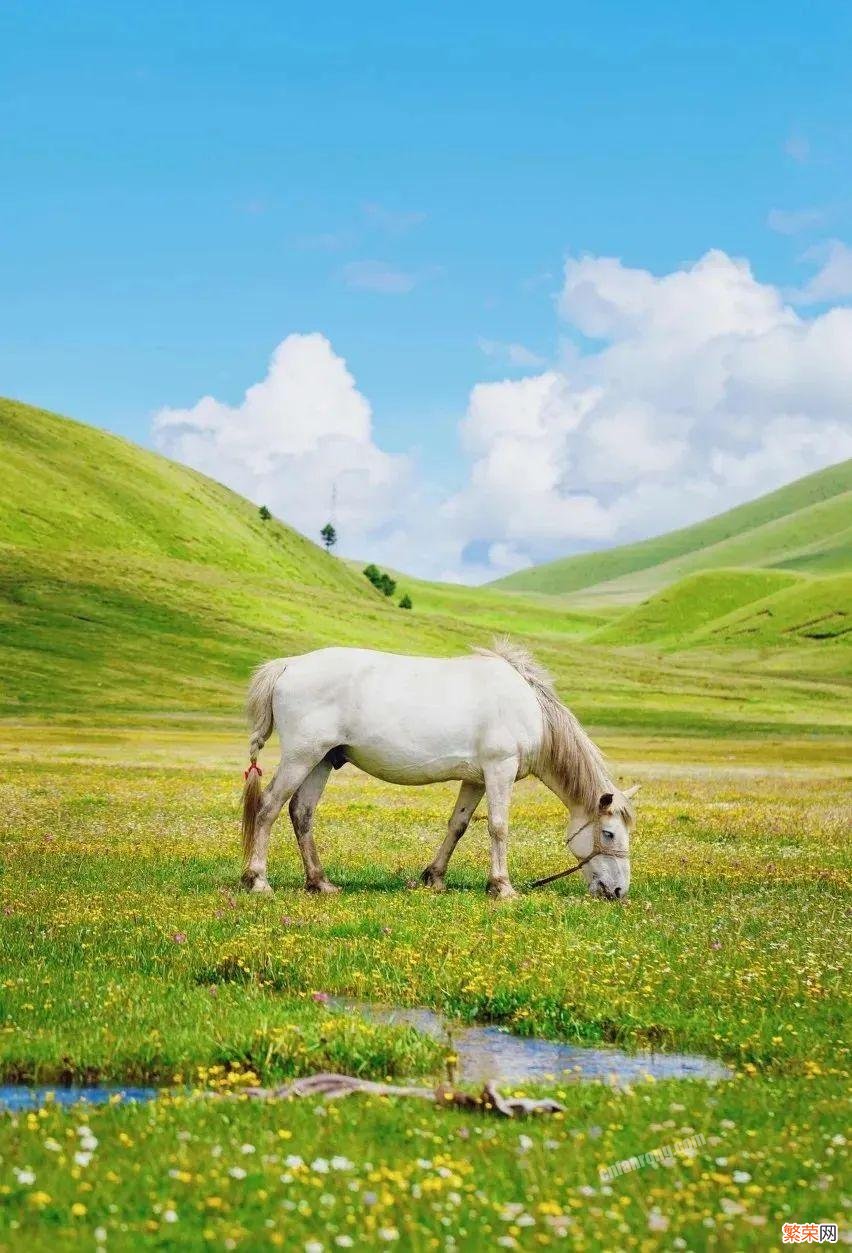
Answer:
(381, 581)
(406, 602)
(265, 515)
(329, 536)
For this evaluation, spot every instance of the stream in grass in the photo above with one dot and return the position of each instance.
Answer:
(484, 1053)
(22, 1096)
(493, 1054)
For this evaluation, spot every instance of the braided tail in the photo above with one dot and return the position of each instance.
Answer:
(259, 711)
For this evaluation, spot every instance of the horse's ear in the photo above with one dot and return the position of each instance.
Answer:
(605, 802)
(631, 791)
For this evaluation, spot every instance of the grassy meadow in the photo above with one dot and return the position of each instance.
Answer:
(130, 956)
(135, 597)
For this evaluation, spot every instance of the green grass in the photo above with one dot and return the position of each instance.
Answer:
(692, 604)
(128, 955)
(805, 525)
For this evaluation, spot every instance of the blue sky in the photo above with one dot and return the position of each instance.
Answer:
(188, 184)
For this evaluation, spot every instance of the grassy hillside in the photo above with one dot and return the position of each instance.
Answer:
(805, 525)
(691, 604)
(133, 590)
(495, 610)
(816, 609)
(137, 583)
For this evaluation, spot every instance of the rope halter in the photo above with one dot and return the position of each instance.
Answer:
(597, 848)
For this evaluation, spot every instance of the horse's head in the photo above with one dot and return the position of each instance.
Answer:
(601, 844)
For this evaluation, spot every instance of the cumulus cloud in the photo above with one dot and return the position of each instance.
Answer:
(704, 389)
(683, 394)
(833, 279)
(298, 438)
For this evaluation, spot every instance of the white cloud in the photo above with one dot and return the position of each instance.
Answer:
(301, 434)
(706, 389)
(512, 354)
(378, 276)
(833, 280)
(702, 389)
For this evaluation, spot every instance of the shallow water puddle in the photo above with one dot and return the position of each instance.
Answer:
(485, 1055)
(16, 1096)
(493, 1054)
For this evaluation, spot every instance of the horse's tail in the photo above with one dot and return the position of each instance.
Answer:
(259, 712)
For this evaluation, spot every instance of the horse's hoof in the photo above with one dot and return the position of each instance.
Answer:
(323, 886)
(251, 882)
(432, 880)
(501, 890)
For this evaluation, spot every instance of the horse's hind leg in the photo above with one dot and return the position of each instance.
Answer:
(470, 794)
(287, 778)
(303, 805)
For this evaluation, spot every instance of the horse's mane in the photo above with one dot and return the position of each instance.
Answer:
(566, 750)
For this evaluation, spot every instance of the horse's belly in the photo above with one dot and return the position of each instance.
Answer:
(397, 767)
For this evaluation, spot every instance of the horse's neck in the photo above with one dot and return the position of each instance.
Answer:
(566, 794)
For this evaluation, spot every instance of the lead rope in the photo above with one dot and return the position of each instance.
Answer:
(596, 849)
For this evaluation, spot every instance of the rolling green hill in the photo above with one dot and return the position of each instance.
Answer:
(136, 583)
(694, 602)
(806, 525)
(742, 609)
(136, 591)
(133, 586)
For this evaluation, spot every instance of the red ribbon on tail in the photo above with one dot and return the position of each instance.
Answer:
(253, 766)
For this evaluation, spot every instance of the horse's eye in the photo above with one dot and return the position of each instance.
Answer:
(609, 835)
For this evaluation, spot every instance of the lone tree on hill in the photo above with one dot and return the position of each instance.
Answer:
(406, 602)
(329, 536)
(265, 515)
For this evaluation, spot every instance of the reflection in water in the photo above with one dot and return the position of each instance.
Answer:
(491, 1053)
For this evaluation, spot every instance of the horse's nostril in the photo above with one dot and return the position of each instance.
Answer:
(616, 892)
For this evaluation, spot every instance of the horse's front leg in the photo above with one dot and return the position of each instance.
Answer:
(498, 790)
(470, 794)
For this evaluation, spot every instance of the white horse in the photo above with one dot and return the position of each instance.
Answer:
(485, 719)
